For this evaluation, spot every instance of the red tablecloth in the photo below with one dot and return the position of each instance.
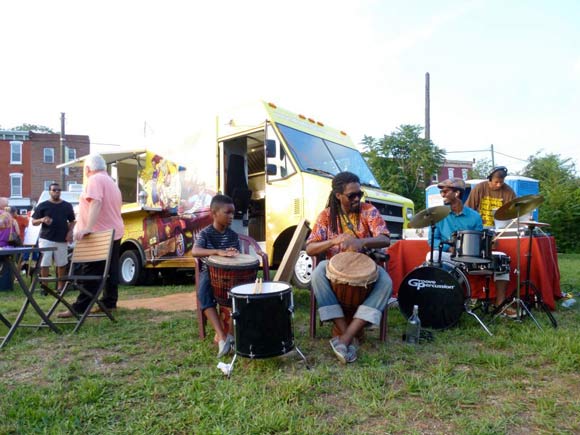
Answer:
(545, 274)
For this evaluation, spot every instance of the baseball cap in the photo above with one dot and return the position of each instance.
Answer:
(453, 183)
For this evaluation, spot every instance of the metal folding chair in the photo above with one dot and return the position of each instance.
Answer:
(94, 247)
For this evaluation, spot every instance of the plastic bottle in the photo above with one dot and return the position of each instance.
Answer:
(413, 331)
(569, 303)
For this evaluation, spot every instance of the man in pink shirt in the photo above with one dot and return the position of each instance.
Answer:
(99, 209)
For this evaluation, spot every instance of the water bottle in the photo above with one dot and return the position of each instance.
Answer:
(569, 303)
(413, 331)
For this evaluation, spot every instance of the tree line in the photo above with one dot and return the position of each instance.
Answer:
(403, 162)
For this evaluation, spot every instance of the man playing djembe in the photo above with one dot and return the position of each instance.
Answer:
(346, 224)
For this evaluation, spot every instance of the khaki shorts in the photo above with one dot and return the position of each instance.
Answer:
(60, 255)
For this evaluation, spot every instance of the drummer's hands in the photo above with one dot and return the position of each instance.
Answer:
(228, 252)
(348, 242)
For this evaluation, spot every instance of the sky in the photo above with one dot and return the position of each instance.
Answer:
(505, 73)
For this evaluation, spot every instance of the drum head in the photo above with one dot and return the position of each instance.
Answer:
(438, 294)
(351, 268)
(240, 261)
(268, 287)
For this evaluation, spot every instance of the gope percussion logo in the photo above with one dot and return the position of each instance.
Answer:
(422, 283)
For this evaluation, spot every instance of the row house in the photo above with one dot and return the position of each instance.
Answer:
(28, 163)
(454, 169)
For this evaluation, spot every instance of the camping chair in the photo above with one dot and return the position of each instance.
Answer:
(246, 244)
(93, 247)
(383, 325)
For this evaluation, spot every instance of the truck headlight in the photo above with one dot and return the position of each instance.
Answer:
(409, 214)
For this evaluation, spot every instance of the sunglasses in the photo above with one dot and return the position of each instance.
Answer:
(55, 190)
(351, 196)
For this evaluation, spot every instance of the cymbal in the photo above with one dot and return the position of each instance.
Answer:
(429, 216)
(534, 224)
(518, 207)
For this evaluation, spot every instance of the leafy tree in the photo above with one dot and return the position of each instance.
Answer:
(480, 169)
(403, 162)
(561, 190)
(33, 127)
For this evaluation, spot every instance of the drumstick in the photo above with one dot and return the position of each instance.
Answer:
(256, 286)
(260, 286)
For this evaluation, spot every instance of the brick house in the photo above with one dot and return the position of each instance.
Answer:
(28, 164)
(453, 169)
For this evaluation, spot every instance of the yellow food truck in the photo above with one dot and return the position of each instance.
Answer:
(276, 165)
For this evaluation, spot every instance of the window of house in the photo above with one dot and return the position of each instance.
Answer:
(16, 185)
(15, 152)
(71, 154)
(464, 173)
(47, 184)
(49, 155)
(450, 173)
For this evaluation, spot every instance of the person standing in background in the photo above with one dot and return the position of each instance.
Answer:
(99, 210)
(57, 220)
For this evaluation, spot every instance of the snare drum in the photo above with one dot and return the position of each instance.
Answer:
(500, 263)
(227, 272)
(263, 321)
(473, 246)
(352, 276)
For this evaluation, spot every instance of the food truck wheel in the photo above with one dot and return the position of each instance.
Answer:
(130, 269)
(302, 271)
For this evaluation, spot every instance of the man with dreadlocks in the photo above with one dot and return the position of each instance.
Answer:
(346, 224)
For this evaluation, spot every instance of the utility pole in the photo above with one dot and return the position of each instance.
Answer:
(427, 109)
(62, 150)
(492, 157)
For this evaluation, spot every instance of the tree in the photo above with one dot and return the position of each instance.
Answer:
(403, 162)
(561, 190)
(33, 127)
(481, 169)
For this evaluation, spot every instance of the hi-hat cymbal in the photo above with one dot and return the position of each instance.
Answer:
(532, 224)
(429, 216)
(518, 207)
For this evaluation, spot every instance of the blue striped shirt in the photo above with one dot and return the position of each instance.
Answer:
(467, 220)
(210, 238)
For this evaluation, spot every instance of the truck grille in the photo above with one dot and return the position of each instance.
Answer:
(393, 216)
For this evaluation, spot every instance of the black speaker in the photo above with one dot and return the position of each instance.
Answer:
(497, 169)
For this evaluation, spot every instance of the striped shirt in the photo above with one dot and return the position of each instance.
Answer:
(210, 238)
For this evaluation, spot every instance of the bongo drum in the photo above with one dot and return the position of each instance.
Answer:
(227, 272)
(352, 276)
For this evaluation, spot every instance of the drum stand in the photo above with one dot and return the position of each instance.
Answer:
(537, 295)
(231, 365)
(520, 305)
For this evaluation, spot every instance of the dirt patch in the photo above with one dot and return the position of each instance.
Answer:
(174, 302)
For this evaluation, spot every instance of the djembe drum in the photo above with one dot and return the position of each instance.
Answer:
(352, 276)
(227, 272)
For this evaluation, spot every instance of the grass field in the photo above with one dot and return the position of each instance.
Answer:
(150, 374)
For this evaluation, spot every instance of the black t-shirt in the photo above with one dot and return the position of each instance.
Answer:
(62, 214)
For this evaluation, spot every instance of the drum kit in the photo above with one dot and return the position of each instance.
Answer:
(441, 289)
(262, 312)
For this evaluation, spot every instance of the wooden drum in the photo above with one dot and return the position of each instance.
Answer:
(352, 276)
(227, 272)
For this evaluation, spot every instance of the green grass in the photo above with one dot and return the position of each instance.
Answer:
(150, 374)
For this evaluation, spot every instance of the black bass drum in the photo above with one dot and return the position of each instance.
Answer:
(440, 293)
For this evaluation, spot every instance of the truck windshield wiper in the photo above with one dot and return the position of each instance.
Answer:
(320, 171)
(370, 185)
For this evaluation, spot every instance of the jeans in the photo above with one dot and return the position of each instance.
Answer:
(205, 291)
(370, 310)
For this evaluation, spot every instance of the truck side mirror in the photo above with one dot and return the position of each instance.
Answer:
(271, 169)
(270, 148)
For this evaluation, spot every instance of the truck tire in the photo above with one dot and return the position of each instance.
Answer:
(130, 268)
(302, 271)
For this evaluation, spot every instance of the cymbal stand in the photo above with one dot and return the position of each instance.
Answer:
(520, 305)
(528, 283)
